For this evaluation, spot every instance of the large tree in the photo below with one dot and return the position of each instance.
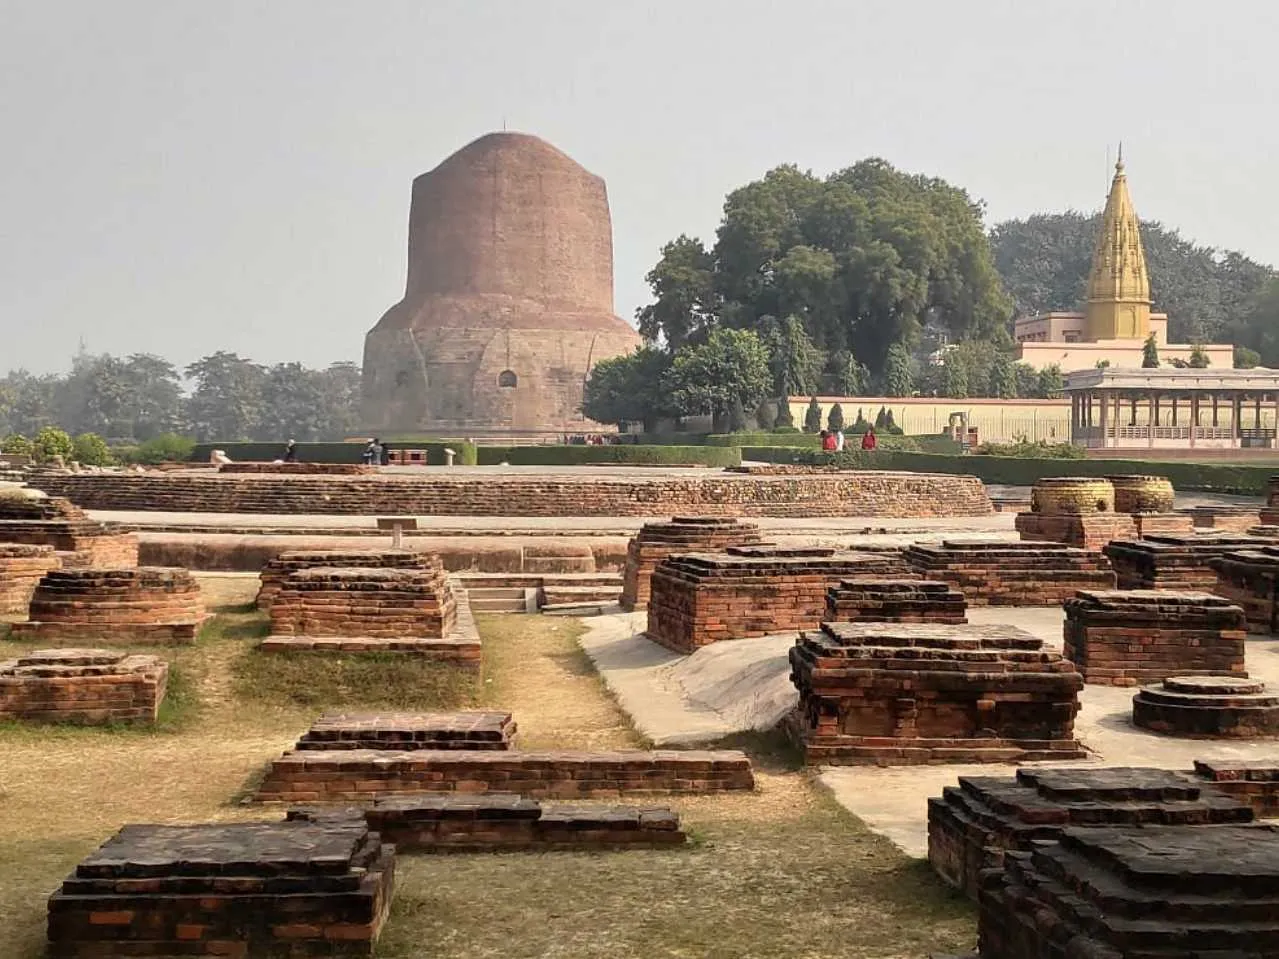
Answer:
(227, 402)
(861, 258)
(628, 389)
(729, 369)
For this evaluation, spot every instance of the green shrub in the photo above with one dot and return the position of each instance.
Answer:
(813, 417)
(793, 430)
(90, 449)
(17, 445)
(51, 442)
(574, 455)
(835, 419)
(165, 448)
(1040, 449)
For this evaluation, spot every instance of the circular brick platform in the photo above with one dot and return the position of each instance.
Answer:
(1208, 707)
(1142, 494)
(1072, 494)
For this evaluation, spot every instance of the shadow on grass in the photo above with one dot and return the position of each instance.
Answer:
(770, 750)
(242, 625)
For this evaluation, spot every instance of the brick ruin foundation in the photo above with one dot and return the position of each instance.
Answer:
(239, 890)
(702, 598)
(115, 606)
(994, 573)
(301, 469)
(1269, 514)
(973, 825)
(683, 534)
(905, 600)
(1090, 531)
(54, 521)
(1130, 637)
(463, 729)
(507, 822)
(1256, 783)
(1090, 512)
(277, 570)
(1208, 707)
(1249, 578)
(1174, 562)
(82, 686)
(711, 493)
(21, 569)
(1223, 519)
(1126, 891)
(902, 694)
(362, 775)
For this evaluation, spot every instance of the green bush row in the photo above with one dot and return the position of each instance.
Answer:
(1244, 479)
(930, 442)
(333, 452)
(572, 455)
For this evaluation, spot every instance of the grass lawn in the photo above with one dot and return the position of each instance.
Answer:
(781, 873)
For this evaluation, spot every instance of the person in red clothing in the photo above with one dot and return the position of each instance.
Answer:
(868, 439)
(828, 441)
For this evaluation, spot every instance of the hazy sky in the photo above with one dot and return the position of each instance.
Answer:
(181, 176)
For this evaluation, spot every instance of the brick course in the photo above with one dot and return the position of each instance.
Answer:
(702, 598)
(973, 825)
(300, 469)
(683, 534)
(1208, 707)
(1255, 783)
(277, 570)
(901, 600)
(1223, 519)
(861, 493)
(903, 694)
(236, 890)
(462, 729)
(996, 573)
(1130, 637)
(1249, 578)
(83, 686)
(302, 776)
(378, 603)
(57, 522)
(115, 606)
(1090, 531)
(1173, 562)
(21, 568)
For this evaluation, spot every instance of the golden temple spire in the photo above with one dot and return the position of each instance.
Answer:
(1119, 285)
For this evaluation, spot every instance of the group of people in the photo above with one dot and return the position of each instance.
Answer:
(376, 453)
(833, 440)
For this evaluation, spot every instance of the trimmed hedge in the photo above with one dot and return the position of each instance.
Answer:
(574, 455)
(929, 442)
(332, 452)
(1242, 478)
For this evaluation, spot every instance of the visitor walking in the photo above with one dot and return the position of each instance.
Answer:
(839, 441)
(291, 451)
(386, 455)
(367, 456)
(868, 439)
(828, 441)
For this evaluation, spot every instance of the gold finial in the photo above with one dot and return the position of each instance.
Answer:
(1119, 163)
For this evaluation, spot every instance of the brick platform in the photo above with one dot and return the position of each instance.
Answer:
(1269, 514)
(1011, 574)
(683, 534)
(465, 729)
(239, 890)
(1162, 524)
(702, 598)
(1256, 783)
(1173, 562)
(504, 822)
(481, 493)
(1136, 891)
(1223, 519)
(363, 775)
(300, 469)
(21, 568)
(277, 570)
(1130, 637)
(1136, 493)
(53, 521)
(1249, 578)
(1072, 494)
(906, 600)
(115, 606)
(460, 647)
(375, 603)
(1090, 531)
(888, 694)
(83, 686)
(971, 826)
(1208, 707)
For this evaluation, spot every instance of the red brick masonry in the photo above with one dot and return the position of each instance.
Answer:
(53, 521)
(683, 534)
(236, 890)
(701, 598)
(507, 822)
(115, 606)
(901, 694)
(21, 567)
(464, 729)
(277, 570)
(904, 600)
(363, 775)
(377, 603)
(84, 686)
(1256, 783)
(1249, 578)
(995, 573)
(300, 469)
(1174, 562)
(1130, 637)
(972, 825)
(1208, 707)
(584, 493)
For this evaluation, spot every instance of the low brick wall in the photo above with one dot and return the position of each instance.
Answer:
(900, 600)
(683, 534)
(505, 822)
(461, 729)
(382, 603)
(236, 890)
(901, 694)
(1011, 574)
(57, 522)
(1224, 519)
(278, 570)
(21, 568)
(115, 606)
(1090, 531)
(861, 493)
(973, 825)
(1130, 637)
(702, 598)
(300, 469)
(1208, 707)
(1174, 562)
(364, 775)
(1255, 783)
(1249, 578)
(83, 686)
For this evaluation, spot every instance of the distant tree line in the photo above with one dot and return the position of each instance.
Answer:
(222, 397)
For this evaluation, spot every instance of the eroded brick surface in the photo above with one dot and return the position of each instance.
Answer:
(1250, 579)
(1255, 783)
(1174, 562)
(277, 570)
(57, 522)
(869, 599)
(463, 729)
(995, 573)
(21, 568)
(683, 534)
(83, 686)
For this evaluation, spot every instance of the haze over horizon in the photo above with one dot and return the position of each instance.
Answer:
(181, 177)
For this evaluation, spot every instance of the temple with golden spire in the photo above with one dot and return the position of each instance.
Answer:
(1117, 320)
